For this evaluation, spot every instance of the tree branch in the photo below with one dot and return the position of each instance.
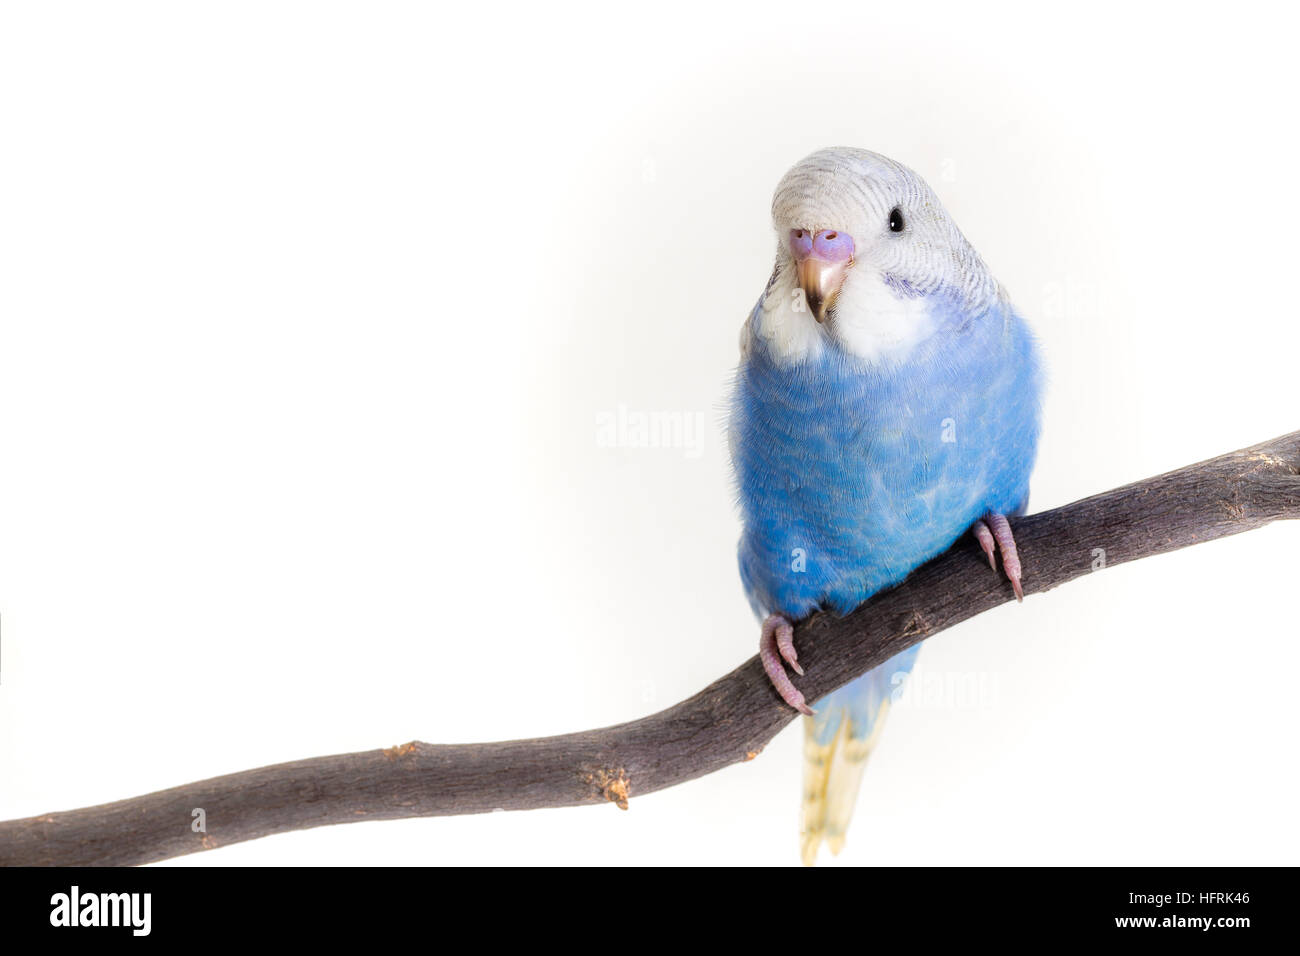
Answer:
(729, 721)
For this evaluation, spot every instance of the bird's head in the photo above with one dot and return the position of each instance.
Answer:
(867, 258)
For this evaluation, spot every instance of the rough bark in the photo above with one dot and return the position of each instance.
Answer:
(729, 721)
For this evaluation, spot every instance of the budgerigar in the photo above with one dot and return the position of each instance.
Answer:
(886, 402)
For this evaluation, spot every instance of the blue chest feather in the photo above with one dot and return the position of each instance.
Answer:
(850, 475)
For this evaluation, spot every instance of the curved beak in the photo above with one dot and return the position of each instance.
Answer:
(820, 281)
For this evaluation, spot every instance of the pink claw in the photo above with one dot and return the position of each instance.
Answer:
(995, 527)
(775, 645)
(985, 537)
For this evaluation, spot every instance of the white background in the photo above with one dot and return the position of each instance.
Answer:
(310, 312)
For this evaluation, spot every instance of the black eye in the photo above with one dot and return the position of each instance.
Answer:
(896, 220)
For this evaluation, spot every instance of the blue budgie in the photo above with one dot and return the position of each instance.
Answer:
(887, 401)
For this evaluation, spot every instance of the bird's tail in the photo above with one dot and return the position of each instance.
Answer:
(837, 742)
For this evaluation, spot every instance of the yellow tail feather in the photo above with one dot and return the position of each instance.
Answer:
(832, 776)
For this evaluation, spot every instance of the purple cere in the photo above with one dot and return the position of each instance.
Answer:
(801, 243)
(829, 245)
(833, 246)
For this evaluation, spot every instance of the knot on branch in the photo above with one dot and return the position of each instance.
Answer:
(614, 785)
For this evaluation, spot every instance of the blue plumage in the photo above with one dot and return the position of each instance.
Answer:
(867, 443)
(869, 471)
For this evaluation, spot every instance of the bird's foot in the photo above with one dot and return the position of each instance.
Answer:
(775, 646)
(993, 529)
